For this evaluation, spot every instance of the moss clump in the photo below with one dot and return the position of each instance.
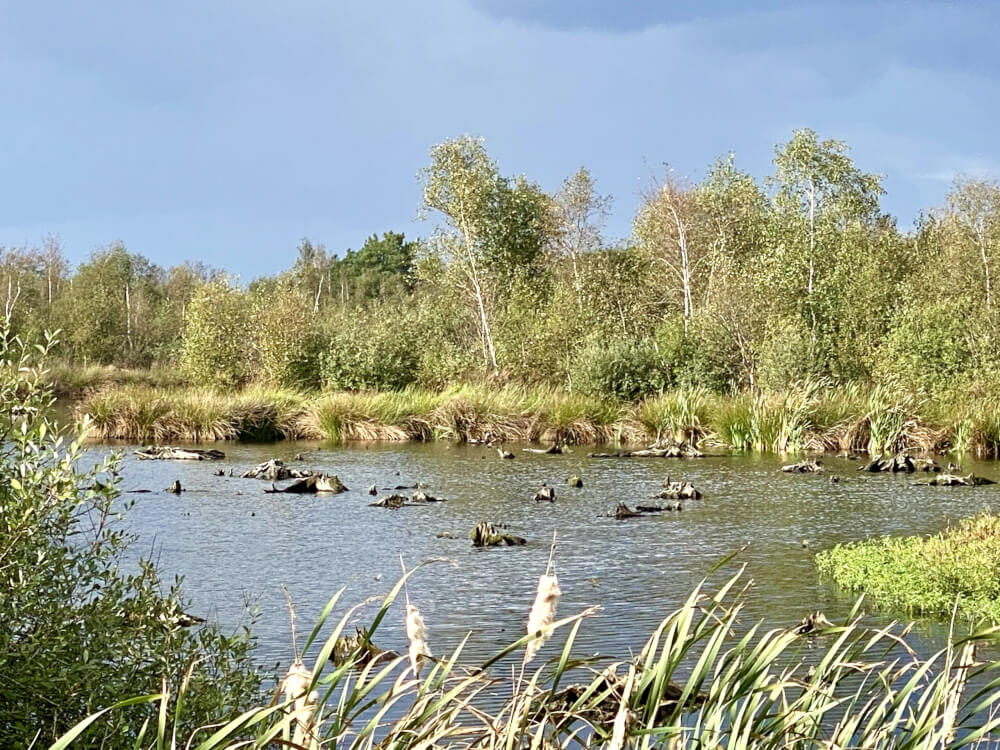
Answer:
(926, 574)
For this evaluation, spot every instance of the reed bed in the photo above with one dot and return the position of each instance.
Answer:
(809, 416)
(702, 680)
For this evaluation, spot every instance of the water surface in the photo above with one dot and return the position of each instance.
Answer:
(234, 543)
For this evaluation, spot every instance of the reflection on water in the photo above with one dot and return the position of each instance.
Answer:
(229, 539)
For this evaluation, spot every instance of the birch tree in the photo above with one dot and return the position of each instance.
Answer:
(495, 227)
(662, 230)
(579, 213)
(820, 190)
(973, 212)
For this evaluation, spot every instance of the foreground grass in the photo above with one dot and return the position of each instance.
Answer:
(808, 416)
(696, 683)
(926, 574)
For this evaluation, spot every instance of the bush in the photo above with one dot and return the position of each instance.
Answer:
(287, 345)
(79, 632)
(786, 356)
(218, 340)
(371, 351)
(625, 369)
(929, 345)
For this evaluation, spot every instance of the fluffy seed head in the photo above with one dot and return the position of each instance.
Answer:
(416, 634)
(543, 612)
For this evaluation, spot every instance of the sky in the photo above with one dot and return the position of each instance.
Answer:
(225, 131)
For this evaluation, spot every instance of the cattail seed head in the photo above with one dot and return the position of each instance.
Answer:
(543, 612)
(416, 634)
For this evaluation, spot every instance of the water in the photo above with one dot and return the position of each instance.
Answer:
(234, 543)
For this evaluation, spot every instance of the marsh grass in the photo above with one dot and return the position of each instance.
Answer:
(142, 413)
(808, 416)
(74, 380)
(681, 415)
(701, 680)
(926, 574)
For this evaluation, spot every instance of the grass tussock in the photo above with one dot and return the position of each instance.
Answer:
(145, 414)
(702, 680)
(809, 416)
(926, 574)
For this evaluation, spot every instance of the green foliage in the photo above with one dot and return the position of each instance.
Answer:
(218, 338)
(926, 574)
(371, 350)
(286, 343)
(80, 631)
(928, 345)
(626, 369)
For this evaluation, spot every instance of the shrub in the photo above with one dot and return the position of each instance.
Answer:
(287, 345)
(218, 340)
(79, 631)
(371, 351)
(626, 369)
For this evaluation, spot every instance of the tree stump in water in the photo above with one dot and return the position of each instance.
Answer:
(678, 491)
(392, 502)
(274, 470)
(486, 535)
(545, 495)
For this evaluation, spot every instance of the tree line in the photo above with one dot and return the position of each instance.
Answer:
(728, 283)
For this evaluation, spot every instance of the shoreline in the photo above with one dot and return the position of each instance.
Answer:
(811, 419)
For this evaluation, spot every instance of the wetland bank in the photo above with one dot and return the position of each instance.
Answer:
(750, 320)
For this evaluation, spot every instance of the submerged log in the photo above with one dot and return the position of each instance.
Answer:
(314, 483)
(674, 506)
(552, 450)
(901, 463)
(803, 467)
(545, 495)
(678, 491)
(167, 453)
(623, 512)
(274, 470)
(421, 498)
(659, 450)
(953, 480)
(487, 535)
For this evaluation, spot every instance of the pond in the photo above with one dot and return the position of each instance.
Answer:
(232, 542)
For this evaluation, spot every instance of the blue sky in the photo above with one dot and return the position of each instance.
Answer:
(225, 131)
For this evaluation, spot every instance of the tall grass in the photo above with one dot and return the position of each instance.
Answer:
(700, 681)
(811, 415)
(142, 413)
(682, 415)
